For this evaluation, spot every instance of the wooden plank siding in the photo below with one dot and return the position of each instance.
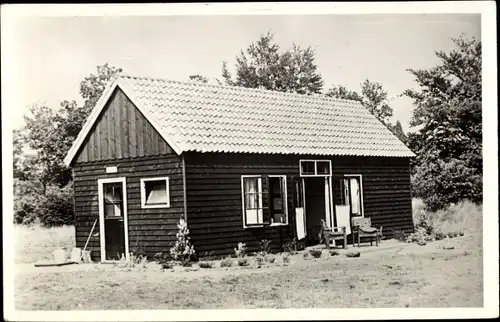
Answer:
(214, 203)
(121, 131)
(154, 229)
(123, 137)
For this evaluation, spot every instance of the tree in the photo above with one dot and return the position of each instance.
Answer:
(93, 85)
(198, 78)
(262, 65)
(373, 97)
(447, 111)
(397, 129)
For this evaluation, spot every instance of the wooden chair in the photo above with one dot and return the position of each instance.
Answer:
(362, 227)
(335, 233)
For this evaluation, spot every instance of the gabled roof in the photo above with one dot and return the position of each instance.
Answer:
(193, 116)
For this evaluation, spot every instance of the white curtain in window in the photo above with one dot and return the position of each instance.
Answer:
(355, 197)
(252, 196)
(157, 192)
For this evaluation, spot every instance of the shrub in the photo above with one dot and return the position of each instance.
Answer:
(290, 246)
(186, 264)
(400, 235)
(334, 252)
(305, 256)
(206, 264)
(167, 265)
(316, 253)
(265, 247)
(269, 258)
(161, 258)
(258, 260)
(241, 250)
(182, 250)
(286, 258)
(228, 262)
(242, 261)
(439, 234)
(54, 208)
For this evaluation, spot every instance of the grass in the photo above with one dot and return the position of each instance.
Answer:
(464, 216)
(406, 275)
(36, 243)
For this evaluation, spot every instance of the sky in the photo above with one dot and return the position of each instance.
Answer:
(51, 55)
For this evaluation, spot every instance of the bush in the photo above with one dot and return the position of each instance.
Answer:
(305, 255)
(242, 261)
(182, 250)
(316, 253)
(290, 246)
(265, 247)
(258, 260)
(206, 264)
(228, 262)
(31, 205)
(286, 258)
(334, 252)
(400, 235)
(167, 265)
(241, 250)
(269, 258)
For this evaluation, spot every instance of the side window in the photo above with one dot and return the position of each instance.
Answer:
(278, 205)
(155, 193)
(253, 209)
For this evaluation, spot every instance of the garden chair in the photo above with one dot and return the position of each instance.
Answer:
(362, 227)
(336, 233)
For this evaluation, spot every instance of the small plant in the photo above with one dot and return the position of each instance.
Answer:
(305, 256)
(186, 264)
(228, 262)
(461, 233)
(334, 252)
(167, 265)
(206, 264)
(400, 235)
(450, 234)
(290, 246)
(182, 250)
(269, 258)
(241, 250)
(265, 247)
(439, 234)
(242, 262)
(258, 260)
(286, 258)
(316, 253)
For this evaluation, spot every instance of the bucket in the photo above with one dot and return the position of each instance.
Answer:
(59, 256)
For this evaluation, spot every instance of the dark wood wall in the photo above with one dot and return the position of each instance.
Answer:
(122, 137)
(121, 131)
(214, 196)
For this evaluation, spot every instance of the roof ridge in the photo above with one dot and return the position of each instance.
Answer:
(240, 88)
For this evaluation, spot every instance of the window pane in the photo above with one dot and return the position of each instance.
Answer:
(112, 199)
(156, 192)
(355, 196)
(323, 167)
(307, 167)
(278, 199)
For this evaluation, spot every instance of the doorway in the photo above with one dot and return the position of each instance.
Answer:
(317, 206)
(113, 218)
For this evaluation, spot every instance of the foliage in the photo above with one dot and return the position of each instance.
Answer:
(305, 255)
(227, 262)
(31, 205)
(447, 113)
(316, 253)
(206, 264)
(92, 86)
(242, 261)
(269, 258)
(162, 258)
(290, 246)
(182, 250)
(286, 258)
(167, 265)
(265, 247)
(399, 235)
(334, 252)
(262, 65)
(198, 78)
(241, 250)
(258, 260)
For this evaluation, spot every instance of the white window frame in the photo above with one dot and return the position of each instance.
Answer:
(284, 201)
(316, 174)
(143, 193)
(360, 190)
(259, 191)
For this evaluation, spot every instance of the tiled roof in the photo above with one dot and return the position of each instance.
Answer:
(211, 118)
(192, 116)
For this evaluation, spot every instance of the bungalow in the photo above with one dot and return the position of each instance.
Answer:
(239, 164)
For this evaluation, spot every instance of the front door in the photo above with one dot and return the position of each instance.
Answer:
(315, 207)
(113, 219)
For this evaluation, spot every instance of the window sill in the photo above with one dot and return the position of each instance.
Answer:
(155, 206)
(278, 224)
(253, 226)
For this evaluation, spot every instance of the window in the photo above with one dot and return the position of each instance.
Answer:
(278, 207)
(253, 209)
(155, 193)
(264, 200)
(311, 168)
(113, 200)
(348, 191)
